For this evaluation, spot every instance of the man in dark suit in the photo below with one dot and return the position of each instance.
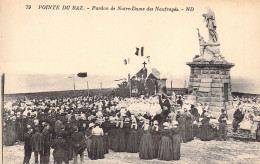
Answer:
(47, 143)
(38, 145)
(27, 145)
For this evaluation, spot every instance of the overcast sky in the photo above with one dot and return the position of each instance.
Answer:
(66, 42)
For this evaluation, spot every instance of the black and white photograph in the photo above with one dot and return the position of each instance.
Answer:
(124, 81)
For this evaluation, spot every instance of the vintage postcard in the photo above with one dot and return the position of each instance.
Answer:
(123, 81)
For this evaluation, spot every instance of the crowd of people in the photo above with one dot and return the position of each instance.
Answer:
(152, 126)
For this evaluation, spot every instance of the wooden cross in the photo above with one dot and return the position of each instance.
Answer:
(144, 63)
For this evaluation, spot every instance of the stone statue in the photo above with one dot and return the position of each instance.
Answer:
(209, 51)
(211, 25)
(202, 43)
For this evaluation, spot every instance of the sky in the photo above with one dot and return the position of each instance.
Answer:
(41, 47)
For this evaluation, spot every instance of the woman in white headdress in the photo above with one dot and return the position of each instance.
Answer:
(176, 141)
(156, 137)
(134, 138)
(165, 151)
(146, 143)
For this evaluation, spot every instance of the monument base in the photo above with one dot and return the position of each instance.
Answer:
(210, 82)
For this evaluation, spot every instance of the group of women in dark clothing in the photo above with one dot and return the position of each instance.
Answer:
(151, 140)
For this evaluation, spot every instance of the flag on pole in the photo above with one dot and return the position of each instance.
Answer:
(137, 51)
(82, 74)
(142, 51)
(125, 62)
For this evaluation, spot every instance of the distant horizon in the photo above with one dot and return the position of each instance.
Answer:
(34, 83)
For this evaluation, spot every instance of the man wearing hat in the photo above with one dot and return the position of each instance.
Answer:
(223, 124)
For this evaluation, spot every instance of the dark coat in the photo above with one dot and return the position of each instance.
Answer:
(27, 142)
(37, 142)
(47, 138)
(59, 145)
(78, 141)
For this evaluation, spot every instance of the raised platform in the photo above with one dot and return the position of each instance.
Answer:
(211, 83)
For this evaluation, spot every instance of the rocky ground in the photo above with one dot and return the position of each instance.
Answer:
(196, 151)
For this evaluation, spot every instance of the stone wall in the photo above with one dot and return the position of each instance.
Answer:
(208, 82)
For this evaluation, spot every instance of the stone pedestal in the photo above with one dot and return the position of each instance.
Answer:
(210, 82)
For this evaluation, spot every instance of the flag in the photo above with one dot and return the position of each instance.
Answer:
(70, 76)
(125, 62)
(142, 51)
(148, 58)
(137, 51)
(82, 74)
(128, 60)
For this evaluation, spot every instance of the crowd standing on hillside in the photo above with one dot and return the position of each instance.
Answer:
(152, 126)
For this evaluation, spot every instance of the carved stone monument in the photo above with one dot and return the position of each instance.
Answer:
(210, 80)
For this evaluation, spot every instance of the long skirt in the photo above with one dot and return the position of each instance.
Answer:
(189, 134)
(204, 133)
(114, 140)
(156, 140)
(146, 147)
(165, 151)
(10, 136)
(121, 140)
(176, 143)
(106, 143)
(132, 143)
(97, 148)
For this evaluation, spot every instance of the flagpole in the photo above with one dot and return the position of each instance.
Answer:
(129, 80)
(88, 88)
(171, 83)
(101, 86)
(73, 82)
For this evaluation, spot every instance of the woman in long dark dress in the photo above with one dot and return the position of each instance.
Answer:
(97, 143)
(165, 151)
(189, 130)
(156, 137)
(205, 127)
(10, 132)
(114, 136)
(132, 142)
(121, 136)
(176, 141)
(146, 144)
(127, 128)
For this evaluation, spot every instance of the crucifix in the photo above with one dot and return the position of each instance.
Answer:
(144, 63)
